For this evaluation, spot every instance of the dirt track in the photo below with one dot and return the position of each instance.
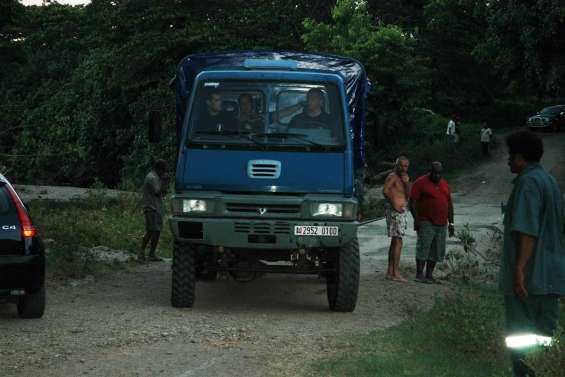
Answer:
(123, 325)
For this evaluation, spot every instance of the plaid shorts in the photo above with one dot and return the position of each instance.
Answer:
(396, 222)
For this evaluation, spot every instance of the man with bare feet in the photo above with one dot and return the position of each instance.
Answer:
(397, 192)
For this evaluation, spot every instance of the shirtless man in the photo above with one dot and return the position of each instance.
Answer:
(397, 192)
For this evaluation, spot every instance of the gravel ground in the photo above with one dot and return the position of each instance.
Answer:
(123, 325)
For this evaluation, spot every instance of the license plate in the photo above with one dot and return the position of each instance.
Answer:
(320, 231)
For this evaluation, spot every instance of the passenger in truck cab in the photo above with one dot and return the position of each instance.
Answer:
(313, 115)
(248, 120)
(215, 118)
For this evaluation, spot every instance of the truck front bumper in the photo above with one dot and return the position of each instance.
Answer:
(258, 234)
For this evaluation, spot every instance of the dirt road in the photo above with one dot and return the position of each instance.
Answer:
(123, 324)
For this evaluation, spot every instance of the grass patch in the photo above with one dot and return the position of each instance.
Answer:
(460, 336)
(73, 228)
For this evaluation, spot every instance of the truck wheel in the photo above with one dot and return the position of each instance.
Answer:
(184, 276)
(32, 305)
(343, 282)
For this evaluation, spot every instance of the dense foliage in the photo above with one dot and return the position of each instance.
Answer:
(77, 82)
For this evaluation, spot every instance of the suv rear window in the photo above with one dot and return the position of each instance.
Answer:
(5, 201)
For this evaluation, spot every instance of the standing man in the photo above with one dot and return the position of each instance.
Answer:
(532, 273)
(154, 188)
(432, 209)
(486, 134)
(397, 192)
(450, 132)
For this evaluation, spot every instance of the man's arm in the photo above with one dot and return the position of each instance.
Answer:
(526, 248)
(389, 183)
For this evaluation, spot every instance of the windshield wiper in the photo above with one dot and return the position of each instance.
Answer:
(226, 133)
(283, 135)
(247, 137)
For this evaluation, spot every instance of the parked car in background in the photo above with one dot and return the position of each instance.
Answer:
(22, 256)
(549, 118)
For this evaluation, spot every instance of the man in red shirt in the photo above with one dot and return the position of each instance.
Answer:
(432, 209)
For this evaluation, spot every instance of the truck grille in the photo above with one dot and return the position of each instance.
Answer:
(264, 169)
(261, 227)
(262, 209)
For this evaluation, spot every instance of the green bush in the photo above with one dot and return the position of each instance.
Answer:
(73, 228)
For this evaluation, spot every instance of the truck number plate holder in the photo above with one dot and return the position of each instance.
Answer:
(319, 231)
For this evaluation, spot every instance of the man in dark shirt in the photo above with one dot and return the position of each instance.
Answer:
(215, 119)
(314, 115)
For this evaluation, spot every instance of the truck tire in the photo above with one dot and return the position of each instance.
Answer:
(343, 283)
(32, 305)
(184, 276)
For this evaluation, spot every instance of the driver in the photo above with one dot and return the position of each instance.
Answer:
(215, 119)
(313, 115)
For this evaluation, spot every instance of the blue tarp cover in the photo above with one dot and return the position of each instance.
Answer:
(357, 84)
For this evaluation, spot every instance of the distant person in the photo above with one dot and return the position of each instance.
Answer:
(215, 118)
(154, 188)
(397, 193)
(532, 272)
(486, 134)
(432, 209)
(313, 115)
(450, 132)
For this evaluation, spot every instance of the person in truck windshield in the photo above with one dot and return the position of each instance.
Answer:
(215, 118)
(313, 115)
(248, 119)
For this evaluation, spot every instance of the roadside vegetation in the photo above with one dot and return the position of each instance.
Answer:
(458, 337)
(462, 335)
(74, 230)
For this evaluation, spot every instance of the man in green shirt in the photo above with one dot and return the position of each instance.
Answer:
(532, 273)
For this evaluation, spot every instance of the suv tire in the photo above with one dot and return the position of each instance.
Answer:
(184, 275)
(343, 283)
(32, 305)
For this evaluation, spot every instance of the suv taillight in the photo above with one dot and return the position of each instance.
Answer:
(28, 230)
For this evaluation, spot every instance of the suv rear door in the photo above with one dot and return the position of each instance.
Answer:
(10, 232)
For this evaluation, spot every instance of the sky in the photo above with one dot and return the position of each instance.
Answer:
(39, 2)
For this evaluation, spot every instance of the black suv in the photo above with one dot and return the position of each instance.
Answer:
(22, 256)
(549, 118)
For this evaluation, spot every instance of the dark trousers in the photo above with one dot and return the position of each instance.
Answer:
(537, 314)
(485, 146)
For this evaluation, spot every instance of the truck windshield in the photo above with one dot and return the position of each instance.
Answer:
(261, 114)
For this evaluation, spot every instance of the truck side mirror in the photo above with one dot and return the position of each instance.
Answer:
(154, 124)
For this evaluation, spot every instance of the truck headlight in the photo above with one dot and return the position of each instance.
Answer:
(183, 206)
(193, 205)
(327, 209)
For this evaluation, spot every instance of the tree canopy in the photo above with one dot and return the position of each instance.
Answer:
(77, 82)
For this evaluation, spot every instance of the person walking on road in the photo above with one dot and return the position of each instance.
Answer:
(486, 134)
(432, 209)
(532, 272)
(451, 132)
(397, 192)
(154, 188)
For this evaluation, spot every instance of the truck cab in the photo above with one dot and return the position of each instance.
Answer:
(265, 174)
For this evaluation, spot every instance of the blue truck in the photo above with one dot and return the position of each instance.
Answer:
(269, 144)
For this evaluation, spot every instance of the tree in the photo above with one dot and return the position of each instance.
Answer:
(525, 46)
(388, 54)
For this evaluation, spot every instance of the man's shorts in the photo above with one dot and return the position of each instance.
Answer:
(431, 242)
(153, 220)
(396, 222)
